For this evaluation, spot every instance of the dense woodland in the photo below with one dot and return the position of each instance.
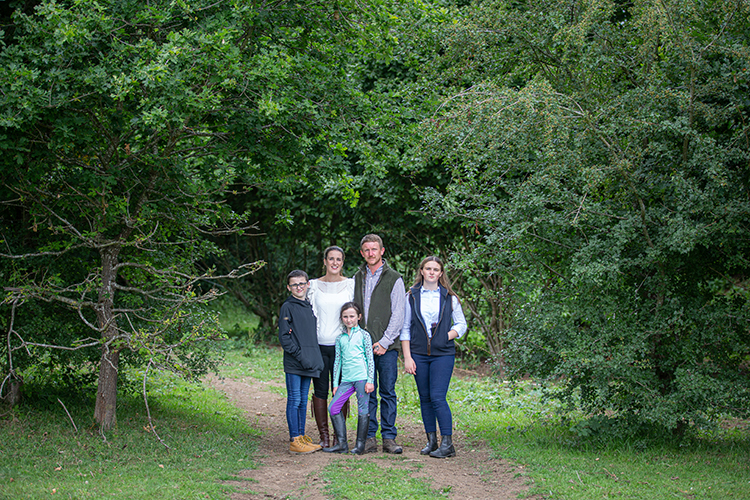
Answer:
(583, 166)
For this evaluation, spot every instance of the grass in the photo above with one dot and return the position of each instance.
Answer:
(264, 363)
(235, 319)
(361, 480)
(536, 436)
(208, 442)
(563, 465)
(41, 454)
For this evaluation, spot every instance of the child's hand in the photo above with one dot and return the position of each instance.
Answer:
(368, 388)
(334, 391)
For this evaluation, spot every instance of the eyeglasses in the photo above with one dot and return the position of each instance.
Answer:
(298, 286)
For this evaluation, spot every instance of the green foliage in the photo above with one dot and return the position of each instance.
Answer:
(124, 125)
(601, 153)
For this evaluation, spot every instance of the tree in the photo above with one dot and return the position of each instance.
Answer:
(376, 190)
(602, 150)
(122, 127)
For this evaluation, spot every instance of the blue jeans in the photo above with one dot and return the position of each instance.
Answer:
(344, 392)
(386, 373)
(297, 388)
(433, 378)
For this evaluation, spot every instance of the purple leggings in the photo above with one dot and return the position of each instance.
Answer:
(345, 391)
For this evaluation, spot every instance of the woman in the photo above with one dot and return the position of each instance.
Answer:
(327, 294)
(430, 351)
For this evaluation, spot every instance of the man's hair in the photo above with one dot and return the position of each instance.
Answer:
(296, 274)
(371, 238)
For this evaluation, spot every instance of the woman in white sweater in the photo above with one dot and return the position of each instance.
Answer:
(327, 294)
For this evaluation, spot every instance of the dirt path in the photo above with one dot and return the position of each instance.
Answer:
(471, 475)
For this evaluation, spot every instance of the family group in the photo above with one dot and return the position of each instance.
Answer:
(344, 335)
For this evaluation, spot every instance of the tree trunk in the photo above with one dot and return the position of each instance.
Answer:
(106, 393)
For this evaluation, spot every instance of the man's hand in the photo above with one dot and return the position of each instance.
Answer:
(378, 349)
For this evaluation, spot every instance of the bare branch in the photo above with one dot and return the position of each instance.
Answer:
(68, 413)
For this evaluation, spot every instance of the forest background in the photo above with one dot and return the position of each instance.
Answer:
(581, 166)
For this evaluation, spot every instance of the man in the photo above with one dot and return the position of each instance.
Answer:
(381, 293)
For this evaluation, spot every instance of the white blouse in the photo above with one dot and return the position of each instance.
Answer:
(430, 302)
(326, 298)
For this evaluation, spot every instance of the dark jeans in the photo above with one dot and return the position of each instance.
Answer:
(323, 384)
(297, 388)
(433, 378)
(386, 373)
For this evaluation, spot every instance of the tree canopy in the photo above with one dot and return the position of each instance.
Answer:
(583, 166)
(123, 127)
(602, 150)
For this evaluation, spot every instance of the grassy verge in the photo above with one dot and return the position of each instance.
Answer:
(208, 442)
(562, 465)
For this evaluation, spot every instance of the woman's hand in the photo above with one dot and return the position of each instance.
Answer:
(410, 366)
(369, 387)
(453, 334)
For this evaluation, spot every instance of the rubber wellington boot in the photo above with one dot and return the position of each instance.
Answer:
(339, 427)
(446, 448)
(431, 444)
(363, 423)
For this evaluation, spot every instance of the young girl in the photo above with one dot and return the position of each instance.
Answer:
(355, 367)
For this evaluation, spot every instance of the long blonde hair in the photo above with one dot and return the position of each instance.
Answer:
(443, 280)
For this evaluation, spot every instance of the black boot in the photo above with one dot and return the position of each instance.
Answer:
(446, 448)
(339, 427)
(431, 444)
(363, 423)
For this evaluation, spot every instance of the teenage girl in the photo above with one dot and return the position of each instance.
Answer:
(434, 320)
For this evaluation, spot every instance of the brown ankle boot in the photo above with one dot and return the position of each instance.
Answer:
(320, 412)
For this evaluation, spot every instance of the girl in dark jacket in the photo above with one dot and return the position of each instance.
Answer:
(434, 319)
(302, 359)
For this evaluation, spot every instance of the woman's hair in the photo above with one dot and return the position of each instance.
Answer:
(444, 281)
(330, 249)
(350, 305)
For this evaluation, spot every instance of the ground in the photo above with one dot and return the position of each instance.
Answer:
(472, 475)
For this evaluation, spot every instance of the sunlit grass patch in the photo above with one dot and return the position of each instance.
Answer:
(264, 363)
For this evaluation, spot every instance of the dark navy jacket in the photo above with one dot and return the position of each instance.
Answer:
(439, 345)
(298, 336)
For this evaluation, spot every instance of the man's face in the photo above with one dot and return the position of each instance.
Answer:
(372, 252)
